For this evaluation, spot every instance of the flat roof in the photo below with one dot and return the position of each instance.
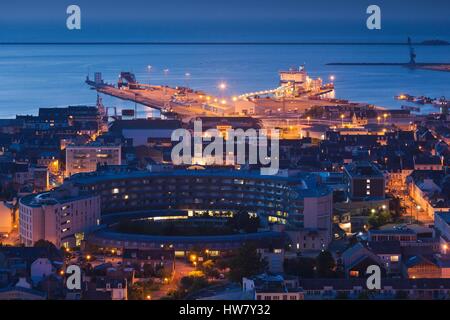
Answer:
(94, 177)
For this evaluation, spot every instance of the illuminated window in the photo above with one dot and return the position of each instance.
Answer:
(115, 190)
(395, 258)
(368, 180)
(354, 273)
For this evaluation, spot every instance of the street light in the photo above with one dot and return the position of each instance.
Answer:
(342, 119)
(187, 75)
(308, 118)
(149, 68)
(222, 86)
(332, 78)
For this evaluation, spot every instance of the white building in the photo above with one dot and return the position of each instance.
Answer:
(84, 158)
(272, 287)
(60, 217)
(39, 269)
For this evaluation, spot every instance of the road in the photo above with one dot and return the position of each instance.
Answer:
(182, 269)
(412, 210)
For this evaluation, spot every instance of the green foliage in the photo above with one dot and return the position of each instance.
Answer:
(302, 267)
(243, 221)
(209, 269)
(44, 244)
(379, 218)
(325, 265)
(140, 290)
(245, 263)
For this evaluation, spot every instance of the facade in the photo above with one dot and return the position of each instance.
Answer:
(209, 193)
(60, 217)
(85, 158)
(316, 233)
(364, 181)
(272, 287)
(157, 258)
(424, 186)
(395, 234)
(6, 218)
(418, 267)
(200, 192)
(442, 226)
(419, 289)
(141, 131)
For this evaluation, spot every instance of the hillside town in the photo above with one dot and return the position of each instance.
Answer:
(357, 185)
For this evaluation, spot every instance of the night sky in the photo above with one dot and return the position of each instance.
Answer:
(228, 20)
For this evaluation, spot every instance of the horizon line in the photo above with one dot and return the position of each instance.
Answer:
(219, 43)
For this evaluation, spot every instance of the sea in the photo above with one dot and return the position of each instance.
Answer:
(52, 75)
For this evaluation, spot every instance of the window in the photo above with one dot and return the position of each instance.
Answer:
(354, 273)
(395, 258)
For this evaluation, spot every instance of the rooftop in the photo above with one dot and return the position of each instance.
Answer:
(363, 169)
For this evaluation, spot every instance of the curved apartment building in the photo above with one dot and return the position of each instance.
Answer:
(210, 192)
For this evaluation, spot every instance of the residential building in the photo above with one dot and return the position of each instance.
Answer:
(86, 158)
(60, 216)
(365, 181)
(272, 287)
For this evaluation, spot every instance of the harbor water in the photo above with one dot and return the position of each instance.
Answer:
(34, 76)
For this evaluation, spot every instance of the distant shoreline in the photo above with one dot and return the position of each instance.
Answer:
(433, 66)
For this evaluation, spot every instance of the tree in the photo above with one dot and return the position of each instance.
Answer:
(379, 218)
(209, 269)
(247, 262)
(302, 267)
(44, 244)
(325, 264)
(195, 281)
(242, 220)
(140, 290)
